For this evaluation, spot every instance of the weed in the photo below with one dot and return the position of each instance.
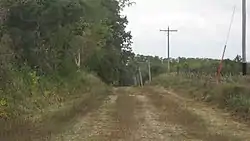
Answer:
(232, 94)
(45, 104)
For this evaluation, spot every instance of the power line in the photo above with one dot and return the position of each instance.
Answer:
(230, 26)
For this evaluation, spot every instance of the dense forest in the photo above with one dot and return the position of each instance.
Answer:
(59, 37)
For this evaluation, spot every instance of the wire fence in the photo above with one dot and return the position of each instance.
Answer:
(211, 78)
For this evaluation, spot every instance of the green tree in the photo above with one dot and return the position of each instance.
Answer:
(62, 36)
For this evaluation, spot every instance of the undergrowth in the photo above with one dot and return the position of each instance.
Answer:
(29, 93)
(233, 96)
(31, 101)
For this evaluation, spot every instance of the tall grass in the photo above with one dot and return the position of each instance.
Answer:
(36, 106)
(28, 93)
(232, 93)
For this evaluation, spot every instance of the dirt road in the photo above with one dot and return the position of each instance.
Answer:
(154, 114)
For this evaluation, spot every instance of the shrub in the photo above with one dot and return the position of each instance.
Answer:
(29, 93)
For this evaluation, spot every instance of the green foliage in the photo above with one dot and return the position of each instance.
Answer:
(156, 66)
(47, 45)
(190, 66)
(206, 65)
(31, 94)
(49, 36)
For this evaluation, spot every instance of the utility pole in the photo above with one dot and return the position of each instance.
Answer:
(244, 29)
(140, 76)
(168, 34)
(135, 81)
(149, 72)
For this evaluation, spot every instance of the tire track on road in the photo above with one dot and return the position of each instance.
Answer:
(195, 117)
(151, 129)
(95, 126)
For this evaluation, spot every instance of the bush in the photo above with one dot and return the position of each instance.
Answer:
(29, 93)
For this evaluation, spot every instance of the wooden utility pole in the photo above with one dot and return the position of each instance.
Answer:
(168, 34)
(244, 30)
(140, 76)
(149, 71)
(135, 81)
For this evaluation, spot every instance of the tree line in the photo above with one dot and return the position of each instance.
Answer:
(196, 66)
(61, 37)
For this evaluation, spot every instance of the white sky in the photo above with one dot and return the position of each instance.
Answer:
(202, 25)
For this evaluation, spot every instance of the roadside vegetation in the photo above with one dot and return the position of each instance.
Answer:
(233, 94)
(58, 59)
(196, 77)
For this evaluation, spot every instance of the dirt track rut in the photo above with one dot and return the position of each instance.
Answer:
(154, 114)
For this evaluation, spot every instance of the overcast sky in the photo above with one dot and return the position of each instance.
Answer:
(202, 25)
